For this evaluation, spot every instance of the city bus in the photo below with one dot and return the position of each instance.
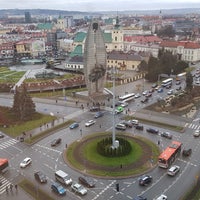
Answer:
(168, 156)
(3, 165)
(127, 97)
(167, 82)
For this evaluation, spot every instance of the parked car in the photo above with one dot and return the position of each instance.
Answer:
(139, 127)
(187, 152)
(154, 85)
(145, 180)
(27, 161)
(134, 122)
(1, 135)
(90, 123)
(140, 198)
(40, 177)
(173, 170)
(196, 133)
(56, 142)
(74, 125)
(57, 188)
(166, 135)
(98, 114)
(170, 92)
(94, 109)
(86, 182)
(138, 95)
(78, 188)
(152, 130)
(160, 90)
(120, 127)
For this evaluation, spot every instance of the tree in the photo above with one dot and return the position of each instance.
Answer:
(23, 106)
(143, 66)
(189, 82)
(166, 31)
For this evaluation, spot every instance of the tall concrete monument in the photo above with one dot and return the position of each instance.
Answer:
(95, 60)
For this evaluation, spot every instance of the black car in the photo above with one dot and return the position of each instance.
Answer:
(140, 198)
(98, 114)
(166, 135)
(187, 152)
(152, 130)
(145, 180)
(139, 127)
(56, 142)
(39, 176)
(86, 182)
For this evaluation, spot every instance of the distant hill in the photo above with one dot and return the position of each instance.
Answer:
(48, 12)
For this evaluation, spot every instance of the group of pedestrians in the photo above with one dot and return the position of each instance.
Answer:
(11, 188)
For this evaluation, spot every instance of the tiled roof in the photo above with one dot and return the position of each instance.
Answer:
(142, 39)
(77, 51)
(117, 55)
(185, 44)
(79, 37)
(46, 26)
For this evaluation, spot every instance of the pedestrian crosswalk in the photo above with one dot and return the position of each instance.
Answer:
(3, 184)
(193, 126)
(8, 143)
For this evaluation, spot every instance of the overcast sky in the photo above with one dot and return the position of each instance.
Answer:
(99, 5)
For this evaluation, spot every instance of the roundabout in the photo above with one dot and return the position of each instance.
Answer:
(83, 156)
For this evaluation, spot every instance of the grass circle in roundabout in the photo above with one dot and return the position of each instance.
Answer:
(82, 155)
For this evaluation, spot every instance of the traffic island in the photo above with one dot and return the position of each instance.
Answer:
(84, 156)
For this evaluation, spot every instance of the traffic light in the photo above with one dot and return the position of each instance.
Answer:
(117, 187)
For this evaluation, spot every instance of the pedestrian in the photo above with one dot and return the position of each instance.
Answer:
(11, 186)
(16, 186)
(7, 189)
(100, 126)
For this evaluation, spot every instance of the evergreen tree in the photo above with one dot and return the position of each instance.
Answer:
(189, 82)
(23, 105)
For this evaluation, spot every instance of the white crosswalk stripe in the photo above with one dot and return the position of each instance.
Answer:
(194, 126)
(8, 143)
(4, 183)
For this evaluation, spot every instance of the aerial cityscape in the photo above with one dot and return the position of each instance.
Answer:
(100, 100)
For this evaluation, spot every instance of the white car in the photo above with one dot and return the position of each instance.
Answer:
(196, 133)
(162, 197)
(90, 123)
(170, 92)
(27, 161)
(173, 170)
(78, 188)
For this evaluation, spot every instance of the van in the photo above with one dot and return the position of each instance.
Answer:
(63, 177)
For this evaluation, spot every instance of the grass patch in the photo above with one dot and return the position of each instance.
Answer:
(91, 155)
(34, 190)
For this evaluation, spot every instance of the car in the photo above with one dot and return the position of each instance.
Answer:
(145, 92)
(94, 109)
(170, 92)
(135, 122)
(74, 125)
(124, 104)
(127, 123)
(161, 197)
(160, 90)
(173, 170)
(179, 88)
(144, 100)
(119, 109)
(166, 135)
(187, 152)
(178, 82)
(139, 127)
(149, 94)
(140, 198)
(196, 133)
(90, 123)
(1, 135)
(57, 188)
(168, 86)
(78, 188)
(154, 85)
(56, 142)
(40, 177)
(145, 180)
(98, 114)
(120, 126)
(152, 130)
(138, 95)
(27, 161)
(86, 182)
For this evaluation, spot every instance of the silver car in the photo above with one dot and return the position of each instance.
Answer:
(78, 188)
